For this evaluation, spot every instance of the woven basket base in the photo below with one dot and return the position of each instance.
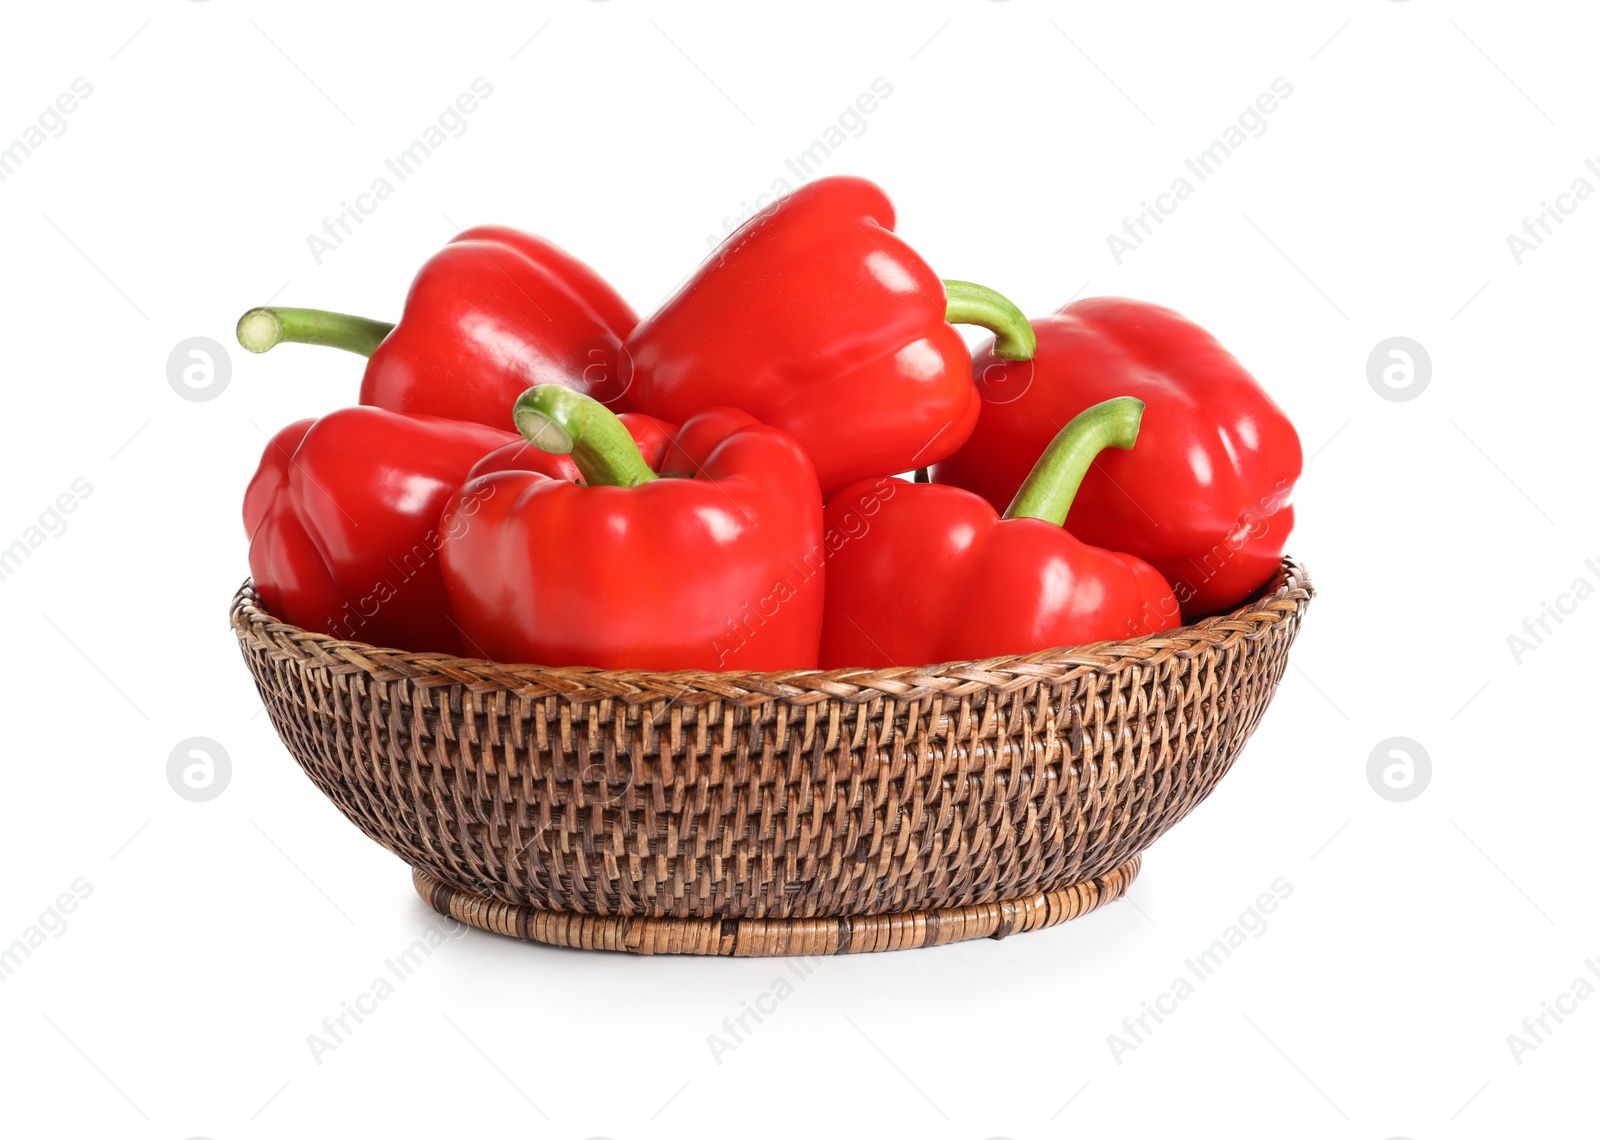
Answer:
(776, 937)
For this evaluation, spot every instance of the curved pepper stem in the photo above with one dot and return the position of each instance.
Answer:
(1049, 489)
(969, 304)
(564, 422)
(260, 329)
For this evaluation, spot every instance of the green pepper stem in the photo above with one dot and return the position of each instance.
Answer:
(564, 422)
(1049, 489)
(260, 329)
(969, 304)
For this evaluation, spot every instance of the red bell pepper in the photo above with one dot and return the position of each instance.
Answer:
(712, 561)
(343, 519)
(919, 573)
(815, 305)
(1205, 498)
(491, 313)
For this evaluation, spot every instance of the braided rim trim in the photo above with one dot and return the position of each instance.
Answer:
(1283, 601)
(777, 937)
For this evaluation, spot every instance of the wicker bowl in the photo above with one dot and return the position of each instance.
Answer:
(774, 813)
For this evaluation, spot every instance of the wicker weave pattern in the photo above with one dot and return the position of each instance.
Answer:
(774, 795)
(777, 937)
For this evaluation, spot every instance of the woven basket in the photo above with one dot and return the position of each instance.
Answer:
(774, 813)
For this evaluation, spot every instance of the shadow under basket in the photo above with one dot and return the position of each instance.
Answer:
(788, 813)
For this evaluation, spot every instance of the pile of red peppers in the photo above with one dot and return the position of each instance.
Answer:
(794, 463)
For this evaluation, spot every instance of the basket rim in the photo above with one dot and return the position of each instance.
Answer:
(1282, 599)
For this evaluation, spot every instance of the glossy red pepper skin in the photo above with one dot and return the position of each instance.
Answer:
(920, 574)
(1205, 497)
(652, 436)
(492, 313)
(343, 519)
(721, 570)
(813, 306)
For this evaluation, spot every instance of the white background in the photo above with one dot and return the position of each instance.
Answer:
(218, 935)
